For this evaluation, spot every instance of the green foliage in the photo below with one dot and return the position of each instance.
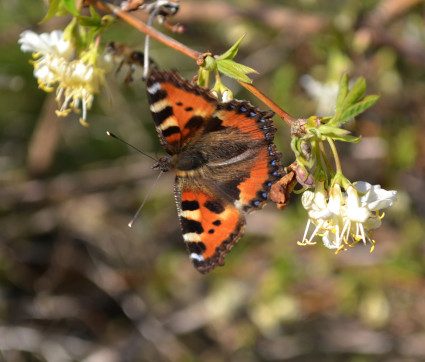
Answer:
(91, 21)
(235, 70)
(53, 10)
(233, 50)
(225, 64)
(348, 104)
(71, 7)
(310, 134)
(63, 7)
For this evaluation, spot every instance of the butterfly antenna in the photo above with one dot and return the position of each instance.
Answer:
(133, 147)
(136, 215)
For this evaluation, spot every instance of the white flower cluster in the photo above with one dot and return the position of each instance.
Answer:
(76, 80)
(345, 218)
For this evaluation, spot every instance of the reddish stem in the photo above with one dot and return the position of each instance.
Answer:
(148, 30)
(187, 51)
(267, 101)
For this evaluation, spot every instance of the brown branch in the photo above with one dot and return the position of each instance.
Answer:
(140, 25)
(266, 100)
(191, 53)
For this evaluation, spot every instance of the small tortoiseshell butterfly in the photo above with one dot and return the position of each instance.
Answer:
(223, 158)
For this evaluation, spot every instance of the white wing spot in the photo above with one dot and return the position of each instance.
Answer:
(159, 106)
(169, 122)
(154, 88)
(189, 237)
(192, 214)
(197, 257)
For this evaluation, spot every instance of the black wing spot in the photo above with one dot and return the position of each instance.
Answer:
(217, 222)
(194, 122)
(157, 96)
(214, 124)
(190, 205)
(162, 115)
(188, 109)
(191, 226)
(197, 247)
(232, 189)
(214, 206)
(170, 130)
(211, 231)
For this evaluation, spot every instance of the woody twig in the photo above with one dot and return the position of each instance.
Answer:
(191, 53)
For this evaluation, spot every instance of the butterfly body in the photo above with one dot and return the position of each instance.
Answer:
(223, 158)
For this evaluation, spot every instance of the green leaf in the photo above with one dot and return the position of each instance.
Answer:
(94, 14)
(355, 93)
(53, 9)
(88, 21)
(235, 70)
(347, 138)
(343, 90)
(71, 7)
(337, 134)
(231, 53)
(358, 108)
(332, 131)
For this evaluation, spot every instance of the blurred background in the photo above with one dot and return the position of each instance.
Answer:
(76, 284)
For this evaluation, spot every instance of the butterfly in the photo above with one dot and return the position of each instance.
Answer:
(224, 160)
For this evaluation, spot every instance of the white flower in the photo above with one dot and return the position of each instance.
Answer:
(356, 219)
(374, 197)
(50, 51)
(332, 236)
(318, 212)
(316, 203)
(76, 80)
(46, 43)
(345, 218)
(78, 84)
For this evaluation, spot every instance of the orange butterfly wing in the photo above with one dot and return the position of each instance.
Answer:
(179, 108)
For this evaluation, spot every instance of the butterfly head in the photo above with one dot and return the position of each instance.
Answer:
(162, 164)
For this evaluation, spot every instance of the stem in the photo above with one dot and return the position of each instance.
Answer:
(217, 76)
(288, 119)
(335, 154)
(325, 158)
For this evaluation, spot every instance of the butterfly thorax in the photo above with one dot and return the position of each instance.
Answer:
(211, 156)
(187, 163)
